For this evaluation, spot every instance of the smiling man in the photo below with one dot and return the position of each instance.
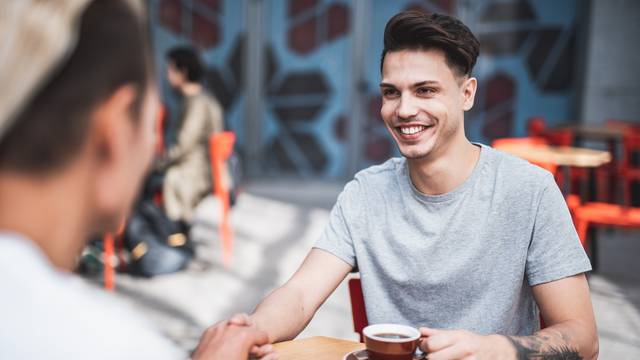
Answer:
(465, 242)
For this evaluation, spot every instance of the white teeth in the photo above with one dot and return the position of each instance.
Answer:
(410, 130)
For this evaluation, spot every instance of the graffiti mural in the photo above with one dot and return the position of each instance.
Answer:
(217, 29)
(307, 86)
(526, 68)
(527, 64)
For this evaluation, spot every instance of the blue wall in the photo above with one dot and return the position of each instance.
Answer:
(526, 68)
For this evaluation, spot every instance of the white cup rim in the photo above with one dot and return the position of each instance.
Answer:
(371, 331)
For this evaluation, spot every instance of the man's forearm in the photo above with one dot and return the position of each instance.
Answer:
(562, 341)
(282, 314)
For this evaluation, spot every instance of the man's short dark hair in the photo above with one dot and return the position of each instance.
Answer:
(417, 30)
(112, 50)
(187, 60)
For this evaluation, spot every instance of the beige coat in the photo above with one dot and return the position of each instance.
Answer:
(188, 178)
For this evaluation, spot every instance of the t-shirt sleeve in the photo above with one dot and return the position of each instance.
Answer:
(555, 251)
(337, 237)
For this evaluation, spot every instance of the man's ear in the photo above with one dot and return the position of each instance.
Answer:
(113, 132)
(112, 121)
(469, 87)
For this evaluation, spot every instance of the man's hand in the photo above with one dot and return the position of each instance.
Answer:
(229, 341)
(461, 344)
(243, 319)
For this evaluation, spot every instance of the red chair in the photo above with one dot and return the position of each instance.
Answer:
(109, 251)
(358, 310)
(536, 126)
(629, 171)
(108, 272)
(160, 121)
(589, 215)
(220, 149)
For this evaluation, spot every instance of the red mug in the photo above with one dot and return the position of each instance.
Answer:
(391, 341)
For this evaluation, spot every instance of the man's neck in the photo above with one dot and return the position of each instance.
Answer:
(190, 89)
(51, 212)
(443, 172)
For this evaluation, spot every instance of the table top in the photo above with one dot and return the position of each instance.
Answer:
(597, 131)
(316, 348)
(558, 155)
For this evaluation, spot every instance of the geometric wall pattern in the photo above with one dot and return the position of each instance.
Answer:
(308, 50)
(526, 68)
(527, 65)
(217, 28)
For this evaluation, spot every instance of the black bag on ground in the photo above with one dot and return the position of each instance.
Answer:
(156, 244)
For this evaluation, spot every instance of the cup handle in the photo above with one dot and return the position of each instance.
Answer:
(420, 355)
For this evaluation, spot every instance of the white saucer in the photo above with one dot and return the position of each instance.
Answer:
(362, 355)
(357, 355)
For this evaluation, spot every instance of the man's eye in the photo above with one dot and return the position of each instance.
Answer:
(389, 92)
(425, 91)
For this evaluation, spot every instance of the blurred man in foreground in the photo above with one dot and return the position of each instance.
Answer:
(77, 108)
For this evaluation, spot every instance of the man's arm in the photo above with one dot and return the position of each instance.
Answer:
(287, 310)
(233, 340)
(570, 333)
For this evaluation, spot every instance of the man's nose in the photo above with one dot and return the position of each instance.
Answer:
(407, 107)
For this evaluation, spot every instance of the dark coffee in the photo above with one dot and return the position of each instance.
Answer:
(392, 336)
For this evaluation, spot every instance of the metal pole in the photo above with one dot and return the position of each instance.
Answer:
(254, 71)
(358, 84)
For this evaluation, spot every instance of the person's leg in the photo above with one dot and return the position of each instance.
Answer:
(172, 199)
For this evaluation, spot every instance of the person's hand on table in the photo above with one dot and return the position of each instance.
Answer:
(461, 344)
(234, 339)
(260, 352)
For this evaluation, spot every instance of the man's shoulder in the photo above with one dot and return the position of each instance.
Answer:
(381, 172)
(372, 179)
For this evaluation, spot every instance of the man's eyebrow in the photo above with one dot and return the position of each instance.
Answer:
(420, 83)
(426, 82)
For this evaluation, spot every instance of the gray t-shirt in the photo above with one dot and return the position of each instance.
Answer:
(462, 260)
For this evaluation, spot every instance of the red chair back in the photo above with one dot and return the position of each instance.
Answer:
(220, 149)
(536, 126)
(160, 121)
(358, 310)
(559, 137)
(630, 164)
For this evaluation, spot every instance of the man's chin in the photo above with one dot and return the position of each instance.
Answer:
(415, 154)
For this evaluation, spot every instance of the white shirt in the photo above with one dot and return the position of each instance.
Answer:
(49, 314)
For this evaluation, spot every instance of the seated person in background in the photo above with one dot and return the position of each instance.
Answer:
(454, 235)
(188, 175)
(76, 138)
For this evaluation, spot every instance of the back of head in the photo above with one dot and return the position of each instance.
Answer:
(416, 30)
(102, 45)
(187, 60)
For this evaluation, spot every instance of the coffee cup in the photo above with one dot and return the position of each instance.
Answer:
(391, 341)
